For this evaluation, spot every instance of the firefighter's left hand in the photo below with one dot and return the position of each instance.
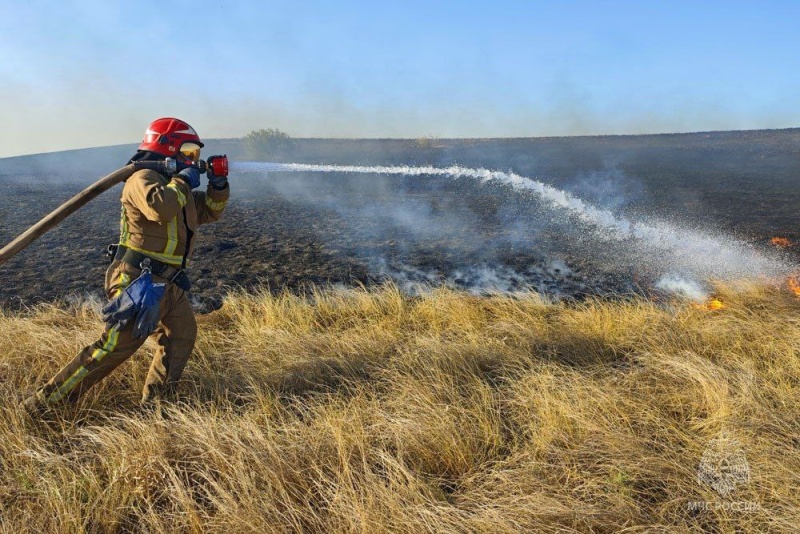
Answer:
(217, 182)
(191, 175)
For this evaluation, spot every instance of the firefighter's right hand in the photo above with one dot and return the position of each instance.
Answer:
(191, 175)
(217, 182)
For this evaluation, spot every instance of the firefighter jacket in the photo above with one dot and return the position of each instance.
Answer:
(160, 216)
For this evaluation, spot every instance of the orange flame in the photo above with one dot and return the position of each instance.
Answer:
(713, 304)
(781, 242)
(794, 285)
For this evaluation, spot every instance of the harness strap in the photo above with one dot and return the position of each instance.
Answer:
(135, 259)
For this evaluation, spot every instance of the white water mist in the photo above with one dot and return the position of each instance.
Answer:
(678, 250)
(682, 287)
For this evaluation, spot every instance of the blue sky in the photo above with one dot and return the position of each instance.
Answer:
(78, 74)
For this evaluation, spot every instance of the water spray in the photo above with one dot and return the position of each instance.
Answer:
(690, 253)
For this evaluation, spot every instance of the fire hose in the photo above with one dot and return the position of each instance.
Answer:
(218, 164)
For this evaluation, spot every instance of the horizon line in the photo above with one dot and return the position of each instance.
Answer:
(432, 137)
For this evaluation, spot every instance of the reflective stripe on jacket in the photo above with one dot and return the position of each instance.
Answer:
(152, 217)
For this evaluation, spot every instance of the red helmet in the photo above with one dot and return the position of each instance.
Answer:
(166, 135)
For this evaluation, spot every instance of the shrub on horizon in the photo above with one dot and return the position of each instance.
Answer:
(266, 142)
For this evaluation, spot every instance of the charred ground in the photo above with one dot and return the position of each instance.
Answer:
(301, 229)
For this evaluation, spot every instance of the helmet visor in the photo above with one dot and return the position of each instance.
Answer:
(191, 151)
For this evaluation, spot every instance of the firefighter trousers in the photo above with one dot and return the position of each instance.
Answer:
(174, 336)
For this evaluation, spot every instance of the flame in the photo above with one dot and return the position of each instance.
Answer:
(794, 285)
(713, 304)
(781, 242)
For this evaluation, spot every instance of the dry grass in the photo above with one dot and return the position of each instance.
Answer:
(370, 411)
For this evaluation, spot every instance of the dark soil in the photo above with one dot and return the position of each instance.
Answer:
(295, 230)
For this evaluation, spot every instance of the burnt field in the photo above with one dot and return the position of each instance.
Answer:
(295, 230)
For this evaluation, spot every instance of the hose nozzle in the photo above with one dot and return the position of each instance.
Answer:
(170, 166)
(218, 165)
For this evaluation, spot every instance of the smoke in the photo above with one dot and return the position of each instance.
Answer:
(608, 188)
(671, 255)
(467, 227)
(376, 201)
(553, 279)
(683, 287)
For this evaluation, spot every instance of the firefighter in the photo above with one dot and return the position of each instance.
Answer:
(159, 217)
